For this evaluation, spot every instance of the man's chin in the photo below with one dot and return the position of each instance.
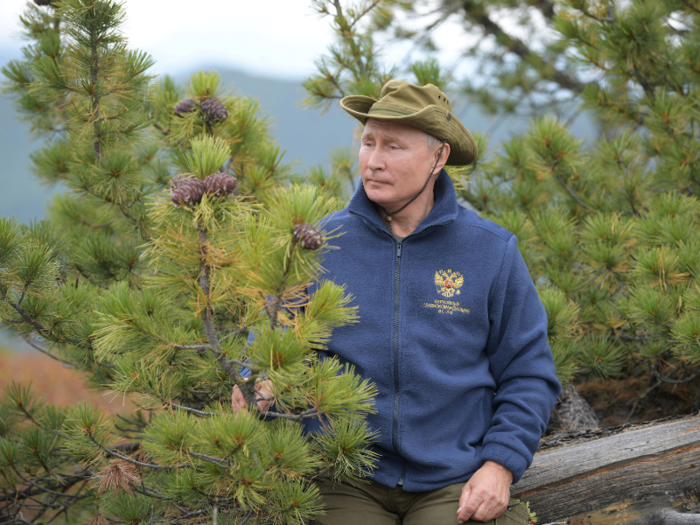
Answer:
(383, 202)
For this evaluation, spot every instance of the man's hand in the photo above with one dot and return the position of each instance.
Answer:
(264, 387)
(486, 494)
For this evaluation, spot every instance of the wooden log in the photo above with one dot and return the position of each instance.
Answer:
(635, 473)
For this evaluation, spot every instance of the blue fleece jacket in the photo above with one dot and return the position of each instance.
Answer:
(454, 336)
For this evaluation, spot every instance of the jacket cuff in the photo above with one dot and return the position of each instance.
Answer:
(507, 457)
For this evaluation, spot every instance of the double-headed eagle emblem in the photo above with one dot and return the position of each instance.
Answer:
(448, 282)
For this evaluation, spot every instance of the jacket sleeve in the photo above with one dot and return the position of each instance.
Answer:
(522, 365)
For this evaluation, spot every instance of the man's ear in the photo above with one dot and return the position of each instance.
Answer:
(443, 158)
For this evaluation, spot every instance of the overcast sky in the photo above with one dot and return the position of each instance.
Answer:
(277, 38)
(280, 38)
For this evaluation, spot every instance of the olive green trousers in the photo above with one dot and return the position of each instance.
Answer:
(374, 504)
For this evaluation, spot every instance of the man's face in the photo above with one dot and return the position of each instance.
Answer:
(395, 162)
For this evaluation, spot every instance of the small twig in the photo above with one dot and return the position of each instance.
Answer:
(371, 6)
(209, 459)
(47, 429)
(188, 409)
(312, 412)
(234, 333)
(133, 461)
(665, 379)
(190, 347)
(261, 397)
(31, 343)
(150, 491)
(639, 398)
(165, 132)
(44, 489)
(572, 193)
(690, 6)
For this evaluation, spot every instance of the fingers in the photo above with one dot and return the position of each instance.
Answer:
(466, 505)
(237, 400)
(478, 502)
(263, 389)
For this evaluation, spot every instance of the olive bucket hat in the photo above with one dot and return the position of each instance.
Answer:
(426, 108)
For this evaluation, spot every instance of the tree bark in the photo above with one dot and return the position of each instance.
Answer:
(572, 412)
(628, 477)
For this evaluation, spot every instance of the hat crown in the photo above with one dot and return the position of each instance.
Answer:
(402, 93)
(423, 107)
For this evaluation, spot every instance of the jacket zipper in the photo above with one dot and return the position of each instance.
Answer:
(397, 283)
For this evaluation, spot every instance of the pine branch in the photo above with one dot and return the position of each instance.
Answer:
(42, 330)
(247, 387)
(66, 483)
(44, 489)
(517, 46)
(371, 6)
(94, 69)
(337, 85)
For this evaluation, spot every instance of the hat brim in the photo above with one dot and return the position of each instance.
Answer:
(432, 119)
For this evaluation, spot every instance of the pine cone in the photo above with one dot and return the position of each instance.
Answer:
(220, 184)
(214, 109)
(186, 105)
(42, 2)
(186, 189)
(308, 236)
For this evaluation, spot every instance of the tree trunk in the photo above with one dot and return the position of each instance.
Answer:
(628, 476)
(572, 412)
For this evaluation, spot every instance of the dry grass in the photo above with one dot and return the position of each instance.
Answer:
(56, 384)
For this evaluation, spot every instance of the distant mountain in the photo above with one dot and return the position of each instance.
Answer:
(307, 137)
(21, 195)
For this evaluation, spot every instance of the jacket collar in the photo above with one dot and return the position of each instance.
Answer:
(444, 211)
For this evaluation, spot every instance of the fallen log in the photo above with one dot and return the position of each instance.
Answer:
(632, 475)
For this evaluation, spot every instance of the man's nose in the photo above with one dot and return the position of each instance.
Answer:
(376, 160)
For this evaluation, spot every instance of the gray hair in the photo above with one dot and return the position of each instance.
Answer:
(433, 142)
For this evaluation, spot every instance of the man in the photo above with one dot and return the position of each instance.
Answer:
(451, 329)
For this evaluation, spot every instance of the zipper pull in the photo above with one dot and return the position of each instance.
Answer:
(398, 250)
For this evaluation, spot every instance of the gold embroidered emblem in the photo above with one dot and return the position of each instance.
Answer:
(448, 282)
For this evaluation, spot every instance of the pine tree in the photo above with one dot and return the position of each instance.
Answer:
(610, 232)
(179, 236)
